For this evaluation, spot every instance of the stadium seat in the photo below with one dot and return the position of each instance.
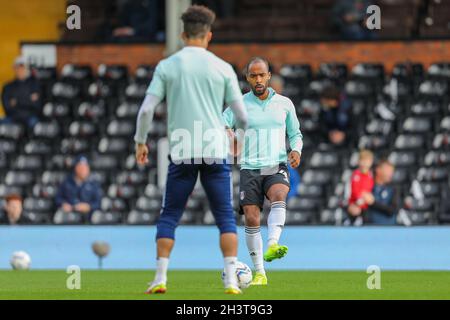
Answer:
(433, 174)
(112, 72)
(416, 125)
(113, 145)
(144, 73)
(148, 205)
(67, 218)
(65, 90)
(38, 204)
(76, 72)
(425, 108)
(19, 178)
(74, 146)
(37, 147)
(131, 177)
(136, 90)
(54, 110)
(113, 205)
(6, 189)
(403, 158)
(127, 110)
(53, 177)
(121, 128)
(152, 191)
(106, 218)
(437, 158)
(44, 191)
(11, 131)
(441, 141)
(141, 218)
(8, 146)
(310, 191)
(433, 88)
(27, 162)
(370, 71)
(82, 129)
(445, 124)
(89, 110)
(47, 130)
(410, 142)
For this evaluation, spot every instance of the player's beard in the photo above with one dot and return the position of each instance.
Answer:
(258, 93)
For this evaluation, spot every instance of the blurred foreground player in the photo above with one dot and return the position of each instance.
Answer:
(196, 84)
(264, 171)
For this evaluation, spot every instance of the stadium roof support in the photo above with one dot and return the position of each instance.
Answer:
(174, 26)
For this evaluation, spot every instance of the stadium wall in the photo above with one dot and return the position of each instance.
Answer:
(313, 53)
(310, 248)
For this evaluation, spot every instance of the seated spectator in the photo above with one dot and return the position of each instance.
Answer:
(335, 115)
(13, 209)
(349, 16)
(138, 20)
(21, 97)
(361, 182)
(78, 192)
(384, 198)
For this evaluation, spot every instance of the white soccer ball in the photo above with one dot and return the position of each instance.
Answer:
(20, 260)
(243, 273)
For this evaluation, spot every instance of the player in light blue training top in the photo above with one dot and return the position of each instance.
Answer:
(195, 84)
(264, 171)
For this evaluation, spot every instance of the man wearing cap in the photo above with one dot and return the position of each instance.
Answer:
(21, 97)
(78, 192)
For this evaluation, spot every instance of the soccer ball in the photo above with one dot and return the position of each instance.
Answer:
(243, 273)
(20, 260)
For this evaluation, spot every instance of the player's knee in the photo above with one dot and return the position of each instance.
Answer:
(252, 216)
(226, 224)
(165, 228)
(278, 196)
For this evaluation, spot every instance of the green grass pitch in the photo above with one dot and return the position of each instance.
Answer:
(188, 285)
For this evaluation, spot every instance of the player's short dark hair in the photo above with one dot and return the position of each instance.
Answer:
(197, 21)
(257, 59)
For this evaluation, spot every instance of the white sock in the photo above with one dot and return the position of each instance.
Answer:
(255, 247)
(161, 270)
(230, 271)
(275, 221)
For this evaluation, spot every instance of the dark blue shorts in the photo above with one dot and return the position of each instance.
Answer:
(181, 179)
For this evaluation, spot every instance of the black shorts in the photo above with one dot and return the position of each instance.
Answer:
(254, 184)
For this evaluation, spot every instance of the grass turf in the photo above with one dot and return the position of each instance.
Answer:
(187, 285)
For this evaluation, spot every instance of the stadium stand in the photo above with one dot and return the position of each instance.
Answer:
(283, 20)
(403, 116)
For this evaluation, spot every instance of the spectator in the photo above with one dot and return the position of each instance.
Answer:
(335, 115)
(138, 20)
(384, 198)
(349, 16)
(78, 192)
(361, 182)
(21, 97)
(13, 209)
(277, 84)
